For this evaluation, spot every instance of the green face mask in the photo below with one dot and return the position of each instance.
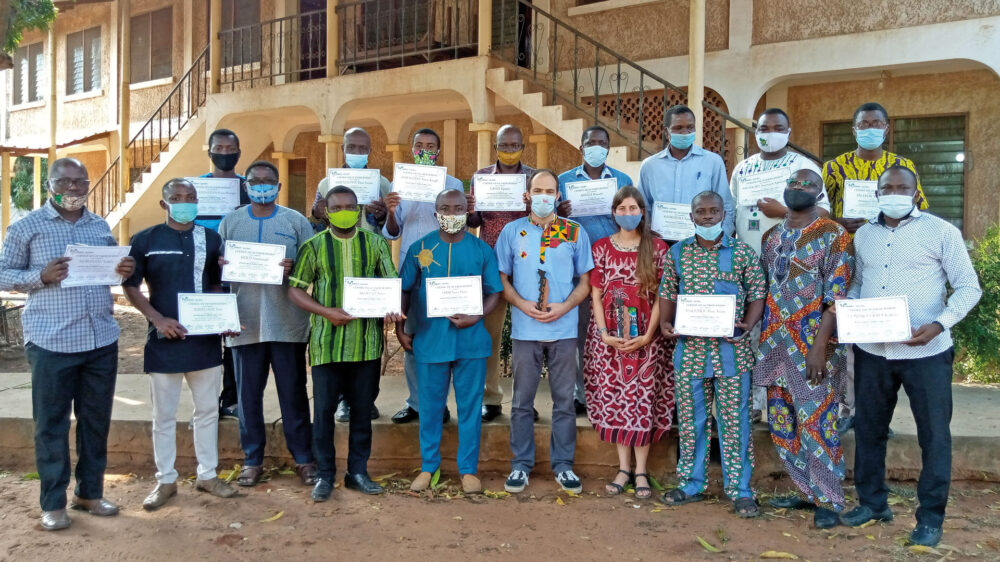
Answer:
(343, 219)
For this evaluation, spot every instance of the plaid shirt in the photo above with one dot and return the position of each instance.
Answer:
(55, 318)
(494, 221)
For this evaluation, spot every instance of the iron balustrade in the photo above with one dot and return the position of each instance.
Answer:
(277, 51)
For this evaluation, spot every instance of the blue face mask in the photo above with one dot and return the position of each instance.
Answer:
(542, 205)
(870, 139)
(681, 142)
(262, 193)
(355, 160)
(183, 212)
(595, 156)
(628, 222)
(708, 232)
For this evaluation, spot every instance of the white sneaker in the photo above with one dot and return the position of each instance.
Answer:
(569, 481)
(516, 482)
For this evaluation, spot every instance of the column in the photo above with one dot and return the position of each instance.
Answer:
(124, 231)
(215, 45)
(6, 175)
(449, 145)
(397, 151)
(53, 116)
(332, 39)
(281, 161)
(485, 26)
(124, 110)
(334, 150)
(696, 64)
(542, 145)
(740, 146)
(36, 177)
(485, 135)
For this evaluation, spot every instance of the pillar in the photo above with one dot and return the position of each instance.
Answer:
(6, 175)
(450, 145)
(215, 45)
(485, 135)
(696, 64)
(124, 109)
(332, 39)
(740, 146)
(334, 150)
(124, 231)
(36, 177)
(542, 145)
(485, 26)
(397, 151)
(281, 160)
(53, 116)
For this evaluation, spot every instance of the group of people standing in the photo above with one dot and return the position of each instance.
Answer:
(592, 305)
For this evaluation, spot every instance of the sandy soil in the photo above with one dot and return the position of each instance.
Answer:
(277, 519)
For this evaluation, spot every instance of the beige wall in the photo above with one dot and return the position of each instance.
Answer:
(973, 93)
(791, 20)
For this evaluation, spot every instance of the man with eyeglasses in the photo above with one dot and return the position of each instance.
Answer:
(71, 342)
(509, 147)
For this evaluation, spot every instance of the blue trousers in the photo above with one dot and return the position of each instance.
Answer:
(468, 377)
(288, 361)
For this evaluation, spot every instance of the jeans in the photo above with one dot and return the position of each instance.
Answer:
(166, 393)
(83, 383)
(527, 360)
(358, 382)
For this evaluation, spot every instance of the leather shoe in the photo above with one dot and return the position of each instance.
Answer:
(491, 412)
(825, 518)
(925, 535)
(405, 415)
(862, 514)
(471, 484)
(159, 496)
(100, 506)
(791, 501)
(363, 484)
(55, 520)
(307, 473)
(216, 487)
(580, 407)
(321, 491)
(421, 482)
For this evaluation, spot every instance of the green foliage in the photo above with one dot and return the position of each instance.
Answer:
(977, 337)
(23, 15)
(22, 187)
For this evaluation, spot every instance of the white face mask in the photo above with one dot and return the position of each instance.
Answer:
(772, 142)
(895, 206)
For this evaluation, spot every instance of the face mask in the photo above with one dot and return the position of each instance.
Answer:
(772, 142)
(451, 223)
(355, 160)
(542, 205)
(708, 232)
(425, 157)
(509, 158)
(595, 156)
(628, 222)
(262, 193)
(895, 206)
(681, 142)
(870, 139)
(183, 212)
(343, 219)
(797, 200)
(224, 162)
(70, 202)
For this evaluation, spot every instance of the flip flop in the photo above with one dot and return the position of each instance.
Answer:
(746, 508)
(680, 497)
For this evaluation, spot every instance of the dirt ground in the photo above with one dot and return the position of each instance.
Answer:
(277, 519)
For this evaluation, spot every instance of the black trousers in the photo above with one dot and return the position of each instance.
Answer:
(358, 382)
(230, 392)
(927, 382)
(83, 383)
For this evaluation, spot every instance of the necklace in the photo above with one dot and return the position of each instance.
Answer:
(621, 247)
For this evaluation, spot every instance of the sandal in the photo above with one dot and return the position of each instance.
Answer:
(746, 508)
(250, 476)
(679, 497)
(613, 488)
(642, 492)
(307, 473)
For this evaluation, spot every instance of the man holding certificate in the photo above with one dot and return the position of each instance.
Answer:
(809, 261)
(274, 331)
(173, 258)
(345, 351)
(410, 221)
(357, 147)
(709, 367)
(907, 252)
(540, 256)
(450, 281)
(70, 340)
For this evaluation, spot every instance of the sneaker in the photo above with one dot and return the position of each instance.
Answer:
(230, 412)
(343, 414)
(569, 481)
(516, 482)
(925, 535)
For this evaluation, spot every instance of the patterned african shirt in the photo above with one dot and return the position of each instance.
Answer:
(848, 166)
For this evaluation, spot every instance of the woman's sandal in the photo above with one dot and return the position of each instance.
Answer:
(250, 476)
(679, 497)
(642, 492)
(746, 508)
(613, 488)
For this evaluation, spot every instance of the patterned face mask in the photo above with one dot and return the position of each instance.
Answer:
(425, 157)
(451, 223)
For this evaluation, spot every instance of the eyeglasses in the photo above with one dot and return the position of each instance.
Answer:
(877, 124)
(804, 183)
(66, 183)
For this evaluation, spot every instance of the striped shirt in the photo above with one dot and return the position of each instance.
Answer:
(919, 259)
(848, 166)
(56, 318)
(323, 261)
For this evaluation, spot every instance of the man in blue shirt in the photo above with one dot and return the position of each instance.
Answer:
(594, 147)
(679, 172)
(456, 345)
(540, 256)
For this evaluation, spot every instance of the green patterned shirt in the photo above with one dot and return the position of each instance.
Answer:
(323, 261)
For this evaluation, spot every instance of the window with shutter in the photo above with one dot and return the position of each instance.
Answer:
(83, 61)
(152, 45)
(28, 66)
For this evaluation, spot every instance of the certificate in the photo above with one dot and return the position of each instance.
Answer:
(762, 184)
(593, 197)
(250, 262)
(876, 320)
(499, 192)
(363, 182)
(208, 313)
(372, 297)
(710, 316)
(447, 296)
(216, 196)
(860, 199)
(93, 265)
(672, 221)
(415, 182)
